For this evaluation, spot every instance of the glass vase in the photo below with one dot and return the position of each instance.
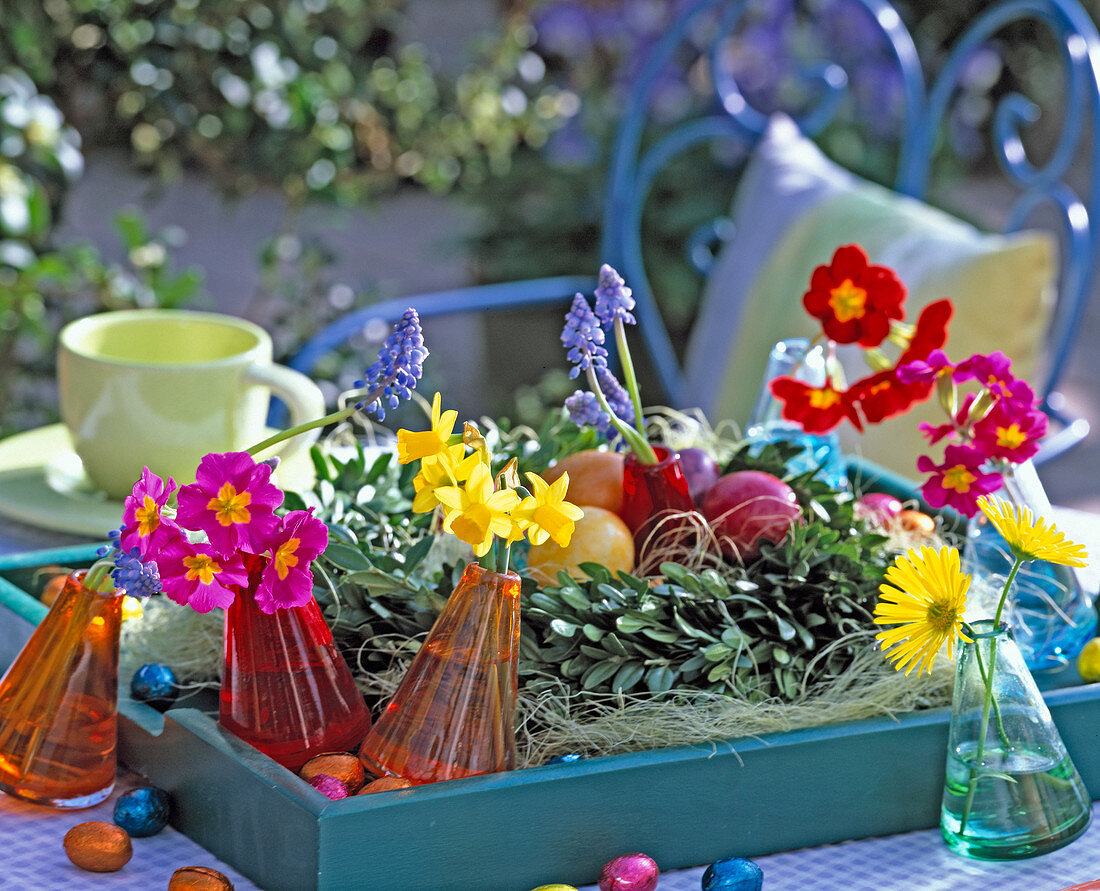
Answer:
(453, 715)
(653, 495)
(820, 451)
(1011, 790)
(1049, 610)
(59, 703)
(286, 690)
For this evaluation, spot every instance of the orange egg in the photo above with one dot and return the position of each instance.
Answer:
(915, 523)
(53, 587)
(595, 477)
(600, 537)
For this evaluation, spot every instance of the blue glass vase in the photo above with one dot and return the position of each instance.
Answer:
(766, 424)
(1049, 610)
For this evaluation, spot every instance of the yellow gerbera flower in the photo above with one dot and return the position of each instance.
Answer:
(427, 444)
(926, 598)
(452, 467)
(546, 514)
(474, 512)
(1031, 539)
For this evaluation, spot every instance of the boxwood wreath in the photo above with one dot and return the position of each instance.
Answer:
(609, 662)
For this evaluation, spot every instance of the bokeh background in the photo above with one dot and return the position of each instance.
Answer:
(290, 160)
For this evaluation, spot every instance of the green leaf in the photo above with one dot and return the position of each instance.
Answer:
(598, 673)
(613, 645)
(576, 598)
(627, 676)
(660, 679)
(418, 552)
(563, 628)
(346, 557)
(592, 632)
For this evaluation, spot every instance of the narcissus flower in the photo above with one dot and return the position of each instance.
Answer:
(431, 443)
(855, 300)
(475, 512)
(925, 596)
(1030, 538)
(546, 514)
(452, 468)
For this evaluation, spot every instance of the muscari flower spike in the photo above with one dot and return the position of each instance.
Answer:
(400, 365)
(614, 299)
(136, 577)
(583, 337)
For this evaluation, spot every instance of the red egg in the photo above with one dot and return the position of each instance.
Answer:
(629, 872)
(747, 506)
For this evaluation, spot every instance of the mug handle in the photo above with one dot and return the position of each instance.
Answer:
(303, 398)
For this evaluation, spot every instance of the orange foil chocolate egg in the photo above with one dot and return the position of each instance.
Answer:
(199, 878)
(600, 537)
(385, 784)
(346, 767)
(98, 847)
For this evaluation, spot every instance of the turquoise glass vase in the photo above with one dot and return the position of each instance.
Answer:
(1011, 790)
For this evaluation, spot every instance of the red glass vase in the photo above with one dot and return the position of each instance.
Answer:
(59, 703)
(653, 496)
(453, 714)
(285, 688)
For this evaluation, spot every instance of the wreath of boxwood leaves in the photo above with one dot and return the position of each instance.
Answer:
(754, 631)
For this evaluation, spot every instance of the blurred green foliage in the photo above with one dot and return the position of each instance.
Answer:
(318, 96)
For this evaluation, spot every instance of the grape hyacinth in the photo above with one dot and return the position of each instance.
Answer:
(583, 337)
(614, 299)
(135, 577)
(399, 366)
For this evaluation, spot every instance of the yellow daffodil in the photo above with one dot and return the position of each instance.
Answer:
(451, 468)
(926, 599)
(1030, 538)
(427, 445)
(475, 512)
(546, 514)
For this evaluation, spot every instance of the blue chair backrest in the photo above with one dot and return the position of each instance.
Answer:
(642, 151)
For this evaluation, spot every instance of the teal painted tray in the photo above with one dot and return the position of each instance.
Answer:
(684, 806)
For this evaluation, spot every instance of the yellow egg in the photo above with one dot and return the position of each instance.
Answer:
(1088, 661)
(554, 888)
(600, 537)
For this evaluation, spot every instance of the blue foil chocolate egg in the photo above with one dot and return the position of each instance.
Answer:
(734, 874)
(565, 759)
(143, 812)
(155, 685)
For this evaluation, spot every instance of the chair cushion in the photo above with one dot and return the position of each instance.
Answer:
(792, 209)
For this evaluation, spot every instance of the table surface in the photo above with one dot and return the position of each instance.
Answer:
(919, 861)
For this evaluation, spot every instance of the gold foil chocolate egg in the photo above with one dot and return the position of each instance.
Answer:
(385, 784)
(199, 878)
(347, 768)
(98, 847)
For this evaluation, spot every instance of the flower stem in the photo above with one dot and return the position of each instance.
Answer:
(283, 435)
(99, 576)
(637, 442)
(629, 378)
(987, 702)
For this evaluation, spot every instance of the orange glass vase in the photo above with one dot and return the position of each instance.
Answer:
(453, 714)
(59, 703)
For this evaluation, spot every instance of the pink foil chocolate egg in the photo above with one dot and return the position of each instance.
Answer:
(329, 786)
(878, 507)
(629, 872)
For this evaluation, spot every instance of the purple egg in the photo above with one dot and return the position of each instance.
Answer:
(328, 785)
(629, 872)
(878, 507)
(700, 470)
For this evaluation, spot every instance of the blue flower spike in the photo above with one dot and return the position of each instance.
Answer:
(614, 299)
(400, 365)
(583, 337)
(733, 874)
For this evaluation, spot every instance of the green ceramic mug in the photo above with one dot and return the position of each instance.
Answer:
(162, 388)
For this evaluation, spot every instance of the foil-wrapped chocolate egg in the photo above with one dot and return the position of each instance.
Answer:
(344, 766)
(629, 872)
(554, 888)
(566, 759)
(385, 784)
(98, 847)
(155, 685)
(329, 786)
(199, 878)
(733, 874)
(143, 812)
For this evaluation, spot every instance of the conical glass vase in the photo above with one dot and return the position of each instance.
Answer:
(286, 690)
(793, 357)
(59, 703)
(453, 714)
(1011, 790)
(1050, 611)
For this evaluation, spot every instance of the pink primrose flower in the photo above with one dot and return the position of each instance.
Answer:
(925, 371)
(233, 501)
(144, 525)
(994, 372)
(958, 481)
(1010, 431)
(193, 574)
(287, 580)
